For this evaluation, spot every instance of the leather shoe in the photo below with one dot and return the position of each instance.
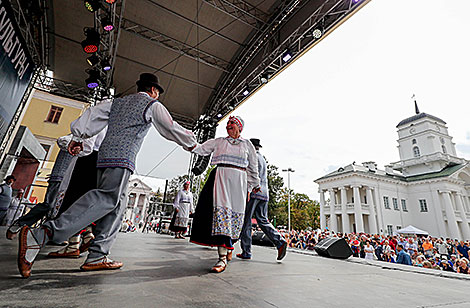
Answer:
(242, 256)
(229, 255)
(281, 252)
(28, 248)
(64, 254)
(219, 267)
(13, 231)
(101, 264)
(87, 237)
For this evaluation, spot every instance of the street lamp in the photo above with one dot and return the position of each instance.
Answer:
(289, 170)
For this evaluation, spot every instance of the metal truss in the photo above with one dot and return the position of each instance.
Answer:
(325, 18)
(65, 89)
(242, 11)
(175, 45)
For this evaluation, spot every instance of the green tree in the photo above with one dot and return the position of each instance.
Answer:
(304, 211)
(275, 185)
(174, 186)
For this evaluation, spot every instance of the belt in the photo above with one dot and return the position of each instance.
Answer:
(231, 166)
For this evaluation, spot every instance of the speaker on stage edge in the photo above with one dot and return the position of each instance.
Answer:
(332, 247)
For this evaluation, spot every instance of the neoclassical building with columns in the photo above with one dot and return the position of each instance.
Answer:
(429, 187)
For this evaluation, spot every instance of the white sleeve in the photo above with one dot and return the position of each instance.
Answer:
(169, 128)
(176, 203)
(206, 148)
(92, 121)
(192, 203)
(63, 142)
(252, 169)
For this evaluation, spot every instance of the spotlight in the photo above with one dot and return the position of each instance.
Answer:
(287, 56)
(219, 115)
(110, 1)
(93, 81)
(105, 65)
(264, 78)
(317, 33)
(246, 92)
(92, 5)
(107, 24)
(93, 60)
(92, 41)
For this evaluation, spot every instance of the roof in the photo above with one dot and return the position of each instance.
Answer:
(447, 171)
(418, 116)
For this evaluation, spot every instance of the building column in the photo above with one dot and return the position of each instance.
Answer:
(372, 218)
(378, 202)
(333, 220)
(358, 220)
(451, 220)
(441, 228)
(344, 210)
(463, 214)
(322, 210)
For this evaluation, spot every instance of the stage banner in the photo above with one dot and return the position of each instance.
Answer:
(16, 66)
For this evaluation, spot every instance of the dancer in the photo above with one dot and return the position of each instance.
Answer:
(5, 196)
(128, 118)
(183, 205)
(258, 204)
(16, 208)
(218, 218)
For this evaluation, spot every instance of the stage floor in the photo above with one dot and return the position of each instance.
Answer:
(160, 271)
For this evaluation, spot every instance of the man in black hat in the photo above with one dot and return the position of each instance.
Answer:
(258, 205)
(128, 119)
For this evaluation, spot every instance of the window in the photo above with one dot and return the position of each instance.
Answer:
(395, 204)
(352, 199)
(390, 229)
(422, 205)
(386, 203)
(54, 114)
(365, 199)
(416, 152)
(398, 228)
(403, 205)
(413, 141)
(444, 150)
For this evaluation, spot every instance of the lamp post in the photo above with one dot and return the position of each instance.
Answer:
(289, 170)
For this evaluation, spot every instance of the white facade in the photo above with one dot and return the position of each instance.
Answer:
(428, 188)
(138, 196)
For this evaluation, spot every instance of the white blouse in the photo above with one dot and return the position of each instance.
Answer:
(238, 152)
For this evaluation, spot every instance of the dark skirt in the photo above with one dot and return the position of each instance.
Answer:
(83, 179)
(176, 228)
(201, 232)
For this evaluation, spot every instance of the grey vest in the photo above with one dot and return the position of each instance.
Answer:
(61, 164)
(5, 197)
(127, 128)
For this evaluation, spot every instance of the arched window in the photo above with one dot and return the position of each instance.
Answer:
(413, 141)
(416, 152)
(444, 150)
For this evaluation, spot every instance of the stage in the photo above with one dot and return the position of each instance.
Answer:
(160, 271)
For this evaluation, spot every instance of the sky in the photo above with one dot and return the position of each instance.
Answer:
(342, 100)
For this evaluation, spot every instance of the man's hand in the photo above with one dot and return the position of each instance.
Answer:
(256, 190)
(75, 147)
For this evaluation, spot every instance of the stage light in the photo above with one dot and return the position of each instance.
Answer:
(264, 78)
(110, 1)
(93, 60)
(92, 5)
(92, 41)
(286, 56)
(246, 92)
(219, 115)
(105, 65)
(93, 80)
(107, 24)
(317, 33)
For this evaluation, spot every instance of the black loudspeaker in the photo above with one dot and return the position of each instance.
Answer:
(333, 247)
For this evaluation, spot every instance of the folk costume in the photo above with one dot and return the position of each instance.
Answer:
(220, 211)
(183, 205)
(128, 119)
(258, 205)
(15, 209)
(5, 199)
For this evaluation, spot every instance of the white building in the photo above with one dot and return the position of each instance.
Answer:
(139, 195)
(428, 188)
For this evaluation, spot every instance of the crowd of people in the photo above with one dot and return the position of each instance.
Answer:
(421, 251)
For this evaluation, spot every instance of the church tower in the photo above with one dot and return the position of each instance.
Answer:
(424, 145)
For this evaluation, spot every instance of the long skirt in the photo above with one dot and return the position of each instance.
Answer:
(174, 226)
(214, 224)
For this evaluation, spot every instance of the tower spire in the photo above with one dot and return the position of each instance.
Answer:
(416, 104)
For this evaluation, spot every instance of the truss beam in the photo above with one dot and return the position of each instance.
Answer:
(240, 10)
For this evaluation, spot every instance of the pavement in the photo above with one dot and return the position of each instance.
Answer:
(160, 271)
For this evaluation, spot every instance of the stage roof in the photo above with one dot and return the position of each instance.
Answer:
(205, 52)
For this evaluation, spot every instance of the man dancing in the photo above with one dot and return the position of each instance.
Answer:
(128, 118)
(258, 204)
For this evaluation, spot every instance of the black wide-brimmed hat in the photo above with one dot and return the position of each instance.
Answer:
(255, 142)
(149, 79)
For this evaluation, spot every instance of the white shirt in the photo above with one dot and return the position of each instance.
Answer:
(95, 119)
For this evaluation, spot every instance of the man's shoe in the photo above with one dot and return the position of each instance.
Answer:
(13, 231)
(220, 266)
(65, 253)
(242, 256)
(281, 252)
(87, 237)
(30, 242)
(101, 264)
